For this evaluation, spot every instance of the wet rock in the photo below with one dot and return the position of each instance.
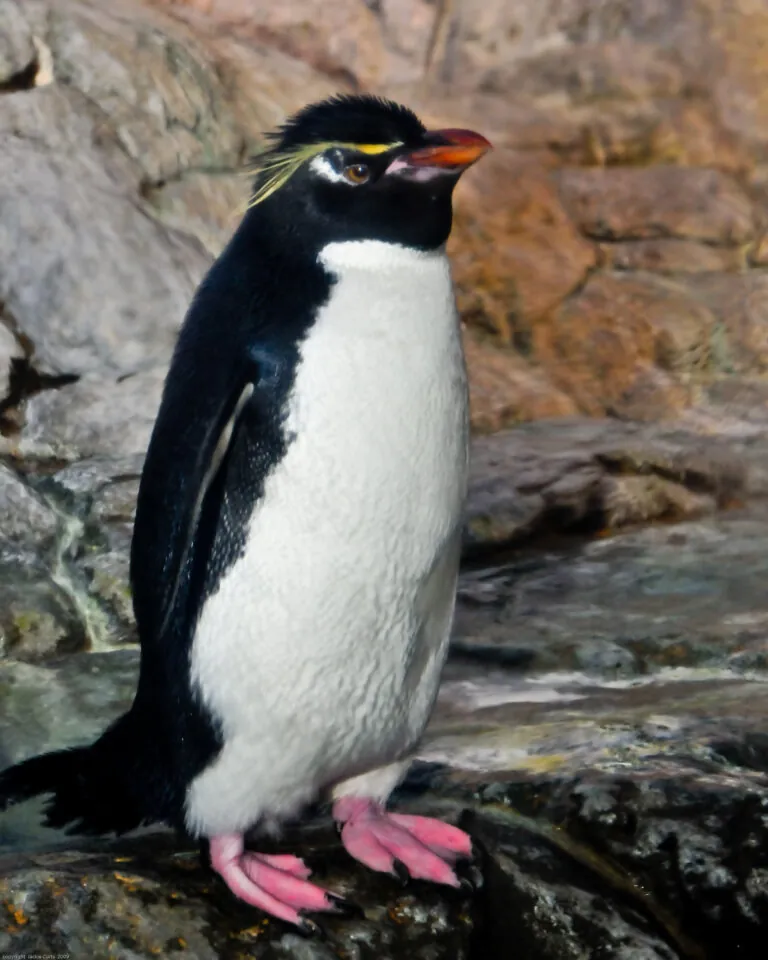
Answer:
(64, 702)
(28, 524)
(107, 582)
(619, 812)
(543, 904)
(103, 493)
(684, 596)
(614, 863)
(635, 845)
(606, 756)
(150, 898)
(64, 558)
(37, 618)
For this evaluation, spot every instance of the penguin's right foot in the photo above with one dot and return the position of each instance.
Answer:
(275, 884)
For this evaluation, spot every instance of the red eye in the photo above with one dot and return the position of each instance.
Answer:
(357, 173)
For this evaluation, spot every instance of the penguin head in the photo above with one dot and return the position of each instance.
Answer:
(362, 168)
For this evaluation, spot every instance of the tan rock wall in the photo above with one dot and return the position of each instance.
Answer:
(612, 247)
(610, 255)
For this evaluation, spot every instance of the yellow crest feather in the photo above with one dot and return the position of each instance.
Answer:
(275, 169)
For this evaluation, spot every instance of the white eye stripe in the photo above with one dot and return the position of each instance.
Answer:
(323, 167)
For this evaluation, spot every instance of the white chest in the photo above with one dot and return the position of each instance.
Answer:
(321, 650)
(378, 412)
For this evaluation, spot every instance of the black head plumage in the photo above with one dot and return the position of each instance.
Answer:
(350, 119)
(358, 167)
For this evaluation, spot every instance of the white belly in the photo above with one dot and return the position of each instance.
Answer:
(321, 651)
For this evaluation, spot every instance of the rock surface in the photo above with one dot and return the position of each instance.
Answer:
(148, 898)
(601, 475)
(98, 265)
(601, 735)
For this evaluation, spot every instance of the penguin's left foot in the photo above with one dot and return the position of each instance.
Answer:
(275, 884)
(396, 843)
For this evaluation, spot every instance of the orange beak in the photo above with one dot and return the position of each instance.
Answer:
(452, 148)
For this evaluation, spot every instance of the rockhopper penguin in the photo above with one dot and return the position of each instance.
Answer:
(297, 535)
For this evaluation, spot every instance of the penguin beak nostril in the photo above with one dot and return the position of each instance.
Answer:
(445, 151)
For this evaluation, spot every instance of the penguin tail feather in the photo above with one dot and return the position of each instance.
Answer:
(88, 794)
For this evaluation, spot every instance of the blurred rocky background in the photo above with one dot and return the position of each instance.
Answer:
(602, 726)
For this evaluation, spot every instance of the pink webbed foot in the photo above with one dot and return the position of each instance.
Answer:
(427, 848)
(275, 884)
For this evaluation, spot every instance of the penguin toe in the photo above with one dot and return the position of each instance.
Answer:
(288, 864)
(275, 884)
(287, 887)
(404, 846)
(442, 838)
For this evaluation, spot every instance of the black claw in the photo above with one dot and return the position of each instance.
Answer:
(308, 928)
(467, 885)
(345, 907)
(466, 821)
(401, 871)
(469, 875)
(463, 867)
